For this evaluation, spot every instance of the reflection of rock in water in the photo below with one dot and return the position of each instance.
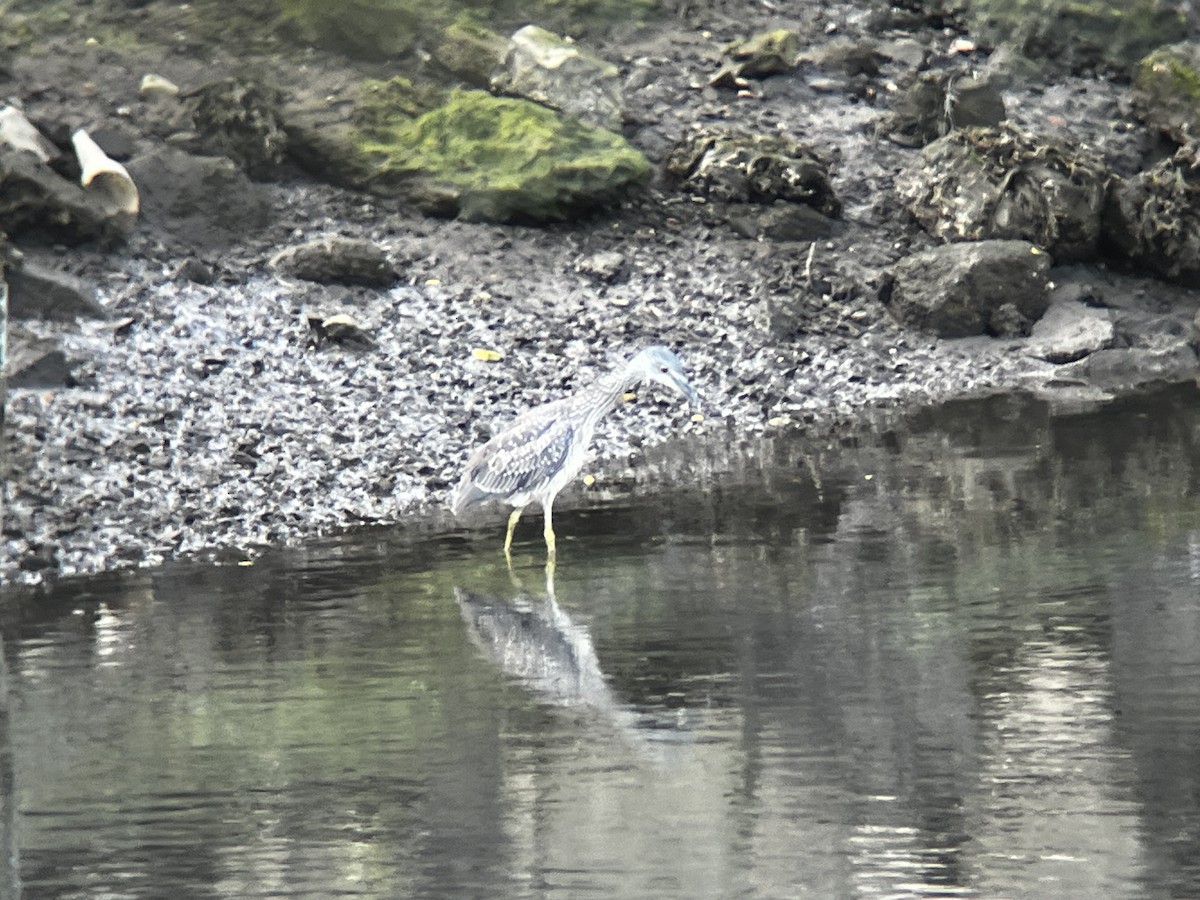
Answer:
(10, 885)
(533, 640)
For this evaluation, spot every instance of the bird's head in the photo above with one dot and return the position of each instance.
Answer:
(661, 365)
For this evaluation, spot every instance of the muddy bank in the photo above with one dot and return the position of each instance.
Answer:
(202, 414)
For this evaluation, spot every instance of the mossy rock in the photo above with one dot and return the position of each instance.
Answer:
(502, 160)
(1083, 35)
(1167, 90)
(382, 105)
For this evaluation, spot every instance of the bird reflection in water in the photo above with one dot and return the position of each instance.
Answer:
(534, 641)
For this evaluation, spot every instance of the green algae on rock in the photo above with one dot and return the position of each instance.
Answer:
(498, 159)
(1166, 90)
(1082, 34)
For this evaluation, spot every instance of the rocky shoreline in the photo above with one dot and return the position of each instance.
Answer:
(292, 357)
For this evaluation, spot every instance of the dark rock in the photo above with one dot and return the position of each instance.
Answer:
(768, 53)
(741, 167)
(470, 51)
(119, 140)
(202, 201)
(1166, 90)
(1121, 370)
(964, 289)
(35, 362)
(324, 141)
(937, 102)
(1069, 331)
(1081, 37)
(850, 57)
(339, 328)
(35, 198)
(780, 221)
(195, 271)
(37, 292)
(988, 183)
(337, 260)
(241, 120)
(1154, 217)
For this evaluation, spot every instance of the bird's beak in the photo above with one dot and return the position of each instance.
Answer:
(685, 388)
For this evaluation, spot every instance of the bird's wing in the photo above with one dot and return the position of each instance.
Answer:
(521, 458)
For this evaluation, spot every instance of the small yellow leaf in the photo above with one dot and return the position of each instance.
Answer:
(697, 417)
(246, 562)
(485, 355)
(629, 396)
(589, 480)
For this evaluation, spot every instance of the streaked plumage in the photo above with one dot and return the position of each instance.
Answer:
(544, 448)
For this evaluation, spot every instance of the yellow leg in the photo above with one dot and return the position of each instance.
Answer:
(512, 524)
(548, 532)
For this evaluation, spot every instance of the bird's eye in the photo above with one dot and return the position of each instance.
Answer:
(665, 369)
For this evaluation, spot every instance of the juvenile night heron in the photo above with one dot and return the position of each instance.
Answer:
(544, 448)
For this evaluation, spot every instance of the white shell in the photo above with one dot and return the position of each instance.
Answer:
(105, 176)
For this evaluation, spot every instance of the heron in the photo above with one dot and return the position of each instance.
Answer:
(544, 448)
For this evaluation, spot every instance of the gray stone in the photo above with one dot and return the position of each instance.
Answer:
(471, 51)
(1070, 331)
(337, 260)
(1118, 370)
(937, 102)
(38, 292)
(35, 361)
(760, 55)
(960, 290)
(780, 221)
(543, 67)
(607, 265)
(203, 201)
(36, 198)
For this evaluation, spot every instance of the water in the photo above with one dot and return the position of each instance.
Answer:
(958, 658)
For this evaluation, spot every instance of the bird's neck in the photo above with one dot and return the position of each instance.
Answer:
(602, 395)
